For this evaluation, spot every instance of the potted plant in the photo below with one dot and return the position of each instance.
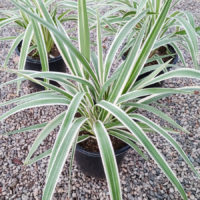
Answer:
(100, 106)
(178, 32)
(34, 45)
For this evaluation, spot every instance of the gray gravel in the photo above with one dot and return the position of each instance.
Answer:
(141, 180)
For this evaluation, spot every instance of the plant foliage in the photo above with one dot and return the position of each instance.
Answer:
(107, 102)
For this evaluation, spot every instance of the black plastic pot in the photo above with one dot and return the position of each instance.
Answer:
(55, 64)
(90, 163)
(174, 61)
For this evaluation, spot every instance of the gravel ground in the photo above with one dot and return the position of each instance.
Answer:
(140, 179)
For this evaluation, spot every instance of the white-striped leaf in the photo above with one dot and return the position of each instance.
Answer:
(158, 113)
(178, 73)
(100, 52)
(34, 104)
(12, 48)
(25, 46)
(148, 45)
(48, 152)
(26, 129)
(108, 160)
(50, 25)
(43, 134)
(8, 21)
(168, 137)
(84, 34)
(41, 47)
(67, 121)
(149, 91)
(145, 141)
(117, 43)
(32, 96)
(70, 134)
(128, 142)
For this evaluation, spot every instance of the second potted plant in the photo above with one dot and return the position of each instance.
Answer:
(34, 45)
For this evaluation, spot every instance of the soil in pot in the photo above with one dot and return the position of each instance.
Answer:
(162, 51)
(56, 63)
(88, 158)
(53, 54)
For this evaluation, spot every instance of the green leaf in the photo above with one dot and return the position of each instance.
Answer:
(25, 46)
(8, 21)
(70, 134)
(95, 62)
(41, 46)
(100, 52)
(129, 142)
(148, 45)
(124, 133)
(140, 84)
(168, 137)
(158, 113)
(165, 41)
(61, 76)
(83, 138)
(34, 104)
(179, 53)
(30, 128)
(43, 134)
(194, 54)
(178, 73)
(70, 166)
(70, 60)
(32, 96)
(145, 141)
(110, 81)
(28, 35)
(192, 37)
(41, 156)
(156, 97)
(149, 91)
(108, 160)
(8, 38)
(128, 67)
(48, 152)
(56, 76)
(120, 37)
(84, 34)
(48, 22)
(67, 121)
(12, 48)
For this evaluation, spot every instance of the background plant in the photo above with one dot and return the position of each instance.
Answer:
(35, 37)
(179, 29)
(106, 103)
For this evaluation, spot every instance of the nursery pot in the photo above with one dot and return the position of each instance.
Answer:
(172, 50)
(173, 61)
(90, 163)
(55, 64)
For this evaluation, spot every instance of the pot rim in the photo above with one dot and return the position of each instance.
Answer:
(95, 154)
(175, 58)
(31, 60)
